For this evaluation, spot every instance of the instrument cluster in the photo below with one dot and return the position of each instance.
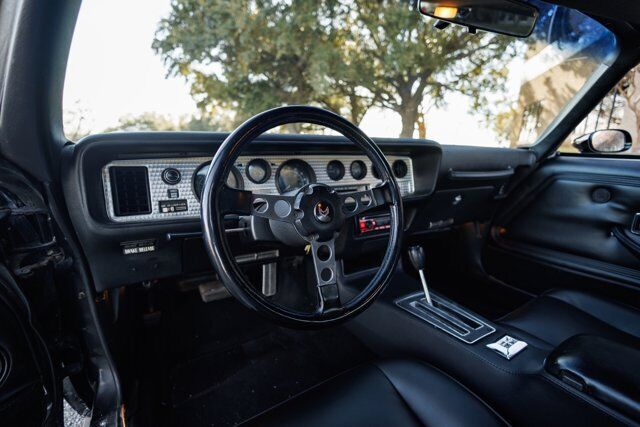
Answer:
(283, 175)
(174, 186)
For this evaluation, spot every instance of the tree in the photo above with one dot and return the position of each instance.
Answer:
(347, 56)
(629, 89)
(408, 60)
(144, 122)
(246, 58)
(150, 121)
(75, 118)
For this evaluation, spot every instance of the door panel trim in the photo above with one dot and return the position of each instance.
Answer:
(623, 276)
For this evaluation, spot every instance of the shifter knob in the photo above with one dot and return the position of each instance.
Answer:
(417, 257)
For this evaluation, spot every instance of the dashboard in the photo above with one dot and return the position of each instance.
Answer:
(133, 197)
(172, 187)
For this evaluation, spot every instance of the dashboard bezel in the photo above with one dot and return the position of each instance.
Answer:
(189, 166)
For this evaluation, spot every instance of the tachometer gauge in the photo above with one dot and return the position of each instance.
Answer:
(294, 174)
(234, 179)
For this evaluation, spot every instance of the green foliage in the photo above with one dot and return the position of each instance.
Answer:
(246, 56)
(150, 121)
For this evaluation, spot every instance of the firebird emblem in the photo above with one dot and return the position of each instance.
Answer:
(322, 212)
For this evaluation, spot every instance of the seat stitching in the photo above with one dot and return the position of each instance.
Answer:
(571, 303)
(449, 377)
(409, 408)
(588, 314)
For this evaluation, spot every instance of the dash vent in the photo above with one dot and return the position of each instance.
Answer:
(130, 190)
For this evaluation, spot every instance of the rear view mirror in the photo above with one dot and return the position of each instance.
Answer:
(604, 141)
(498, 16)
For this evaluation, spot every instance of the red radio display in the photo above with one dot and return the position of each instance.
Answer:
(370, 224)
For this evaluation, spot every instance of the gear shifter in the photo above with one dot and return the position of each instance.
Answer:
(439, 311)
(419, 261)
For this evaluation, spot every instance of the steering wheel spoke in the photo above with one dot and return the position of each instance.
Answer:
(233, 201)
(277, 208)
(325, 264)
(357, 202)
(242, 202)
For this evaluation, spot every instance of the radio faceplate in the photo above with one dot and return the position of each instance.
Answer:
(373, 224)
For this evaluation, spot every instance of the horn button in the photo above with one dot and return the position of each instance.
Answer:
(319, 211)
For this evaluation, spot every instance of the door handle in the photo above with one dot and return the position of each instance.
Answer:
(627, 240)
(635, 224)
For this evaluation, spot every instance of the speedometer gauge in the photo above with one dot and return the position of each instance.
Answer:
(294, 174)
(234, 179)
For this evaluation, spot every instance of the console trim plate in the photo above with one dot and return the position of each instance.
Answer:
(442, 319)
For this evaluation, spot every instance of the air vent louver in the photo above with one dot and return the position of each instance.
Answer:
(130, 190)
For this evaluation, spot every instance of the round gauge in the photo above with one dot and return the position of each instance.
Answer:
(335, 170)
(294, 174)
(234, 179)
(374, 172)
(258, 171)
(358, 169)
(400, 168)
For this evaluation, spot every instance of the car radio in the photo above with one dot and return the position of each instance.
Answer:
(373, 224)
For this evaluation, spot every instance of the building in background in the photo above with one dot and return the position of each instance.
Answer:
(554, 73)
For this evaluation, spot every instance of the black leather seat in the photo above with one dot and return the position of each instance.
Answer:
(560, 314)
(391, 393)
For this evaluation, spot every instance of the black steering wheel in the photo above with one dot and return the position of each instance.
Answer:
(317, 212)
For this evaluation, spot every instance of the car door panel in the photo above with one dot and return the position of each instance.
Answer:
(23, 394)
(573, 214)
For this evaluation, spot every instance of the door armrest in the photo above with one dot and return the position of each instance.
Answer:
(601, 368)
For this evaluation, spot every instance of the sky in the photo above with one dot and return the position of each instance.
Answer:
(113, 72)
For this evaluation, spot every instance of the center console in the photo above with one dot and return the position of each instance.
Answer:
(524, 378)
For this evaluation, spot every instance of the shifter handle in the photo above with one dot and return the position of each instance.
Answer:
(419, 261)
(417, 257)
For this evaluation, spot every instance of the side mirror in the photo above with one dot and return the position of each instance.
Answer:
(509, 17)
(604, 141)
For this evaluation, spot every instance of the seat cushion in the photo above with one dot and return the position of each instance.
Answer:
(390, 393)
(560, 314)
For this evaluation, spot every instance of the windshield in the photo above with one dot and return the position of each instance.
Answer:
(210, 64)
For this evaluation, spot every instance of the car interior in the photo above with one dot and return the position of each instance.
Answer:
(245, 276)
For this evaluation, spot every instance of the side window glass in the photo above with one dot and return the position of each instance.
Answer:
(619, 110)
